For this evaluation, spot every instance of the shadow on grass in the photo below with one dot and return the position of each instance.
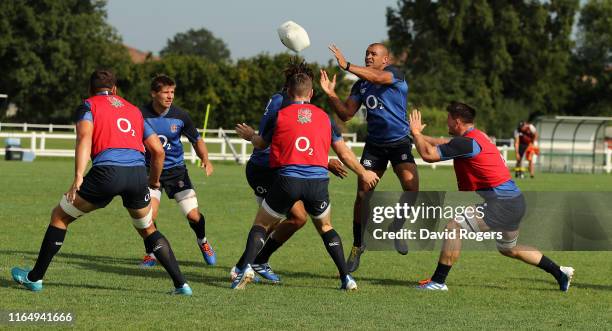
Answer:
(9, 283)
(359, 279)
(127, 266)
(574, 284)
(98, 258)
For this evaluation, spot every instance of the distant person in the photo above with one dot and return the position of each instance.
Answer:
(479, 167)
(170, 123)
(525, 138)
(383, 90)
(112, 132)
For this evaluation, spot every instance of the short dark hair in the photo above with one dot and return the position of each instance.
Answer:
(297, 67)
(299, 85)
(380, 45)
(461, 110)
(102, 79)
(160, 81)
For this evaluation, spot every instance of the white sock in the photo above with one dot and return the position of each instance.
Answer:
(201, 241)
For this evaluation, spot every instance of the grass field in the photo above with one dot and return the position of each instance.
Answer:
(96, 276)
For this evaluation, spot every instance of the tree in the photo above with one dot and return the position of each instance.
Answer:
(48, 49)
(199, 42)
(593, 60)
(491, 54)
(236, 92)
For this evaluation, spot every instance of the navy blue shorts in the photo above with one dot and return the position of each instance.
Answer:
(504, 214)
(175, 180)
(377, 156)
(288, 190)
(103, 183)
(260, 178)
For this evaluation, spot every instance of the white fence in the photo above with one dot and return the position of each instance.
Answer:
(25, 127)
(230, 145)
(38, 145)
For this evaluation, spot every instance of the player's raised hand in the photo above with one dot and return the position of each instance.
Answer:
(327, 85)
(76, 185)
(245, 132)
(339, 56)
(416, 124)
(337, 168)
(370, 178)
(208, 167)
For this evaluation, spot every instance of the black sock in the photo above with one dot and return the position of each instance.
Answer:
(255, 242)
(51, 244)
(441, 273)
(333, 245)
(199, 228)
(147, 249)
(357, 234)
(551, 267)
(241, 260)
(159, 245)
(397, 224)
(268, 249)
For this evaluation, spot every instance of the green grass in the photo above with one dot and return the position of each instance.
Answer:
(95, 275)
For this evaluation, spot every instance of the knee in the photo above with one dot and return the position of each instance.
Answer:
(323, 228)
(187, 201)
(144, 233)
(453, 225)
(509, 252)
(154, 214)
(266, 226)
(59, 218)
(193, 216)
(296, 221)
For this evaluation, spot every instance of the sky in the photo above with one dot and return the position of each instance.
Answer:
(249, 27)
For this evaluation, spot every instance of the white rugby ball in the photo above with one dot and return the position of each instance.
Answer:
(293, 36)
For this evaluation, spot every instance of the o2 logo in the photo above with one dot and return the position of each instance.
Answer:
(372, 102)
(302, 144)
(164, 141)
(125, 126)
(261, 190)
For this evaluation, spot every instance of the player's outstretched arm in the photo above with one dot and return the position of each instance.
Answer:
(345, 110)
(84, 131)
(428, 151)
(202, 152)
(372, 75)
(436, 141)
(248, 133)
(347, 157)
(155, 148)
